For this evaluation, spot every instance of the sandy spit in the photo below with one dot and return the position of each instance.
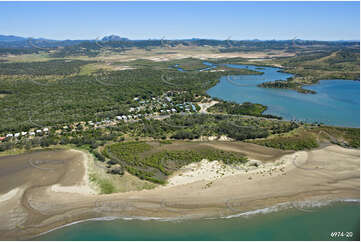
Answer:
(197, 190)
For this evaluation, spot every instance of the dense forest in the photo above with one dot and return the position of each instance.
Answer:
(246, 108)
(82, 98)
(51, 67)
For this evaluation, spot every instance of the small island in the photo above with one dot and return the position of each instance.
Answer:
(286, 85)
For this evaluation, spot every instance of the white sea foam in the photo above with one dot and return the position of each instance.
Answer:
(276, 208)
(296, 205)
(111, 218)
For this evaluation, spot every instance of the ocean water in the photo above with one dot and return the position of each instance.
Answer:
(337, 102)
(290, 224)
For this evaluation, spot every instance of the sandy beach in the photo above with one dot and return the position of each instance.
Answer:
(56, 193)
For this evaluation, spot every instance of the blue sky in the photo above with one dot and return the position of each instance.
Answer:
(176, 20)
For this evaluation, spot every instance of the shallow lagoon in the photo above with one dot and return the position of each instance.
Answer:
(337, 102)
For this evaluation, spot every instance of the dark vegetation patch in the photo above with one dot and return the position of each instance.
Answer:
(288, 84)
(52, 67)
(156, 166)
(246, 108)
(197, 125)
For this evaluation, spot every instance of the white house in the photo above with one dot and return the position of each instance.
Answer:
(16, 134)
(118, 117)
(24, 133)
(31, 133)
(46, 130)
(38, 131)
(9, 135)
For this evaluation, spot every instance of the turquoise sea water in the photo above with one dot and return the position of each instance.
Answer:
(337, 102)
(291, 224)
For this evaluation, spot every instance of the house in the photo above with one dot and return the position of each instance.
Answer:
(118, 117)
(2, 138)
(24, 133)
(174, 110)
(16, 135)
(38, 131)
(9, 135)
(136, 98)
(124, 117)
(168, 99)
(31, 133)
(129, 117)
(46, 130)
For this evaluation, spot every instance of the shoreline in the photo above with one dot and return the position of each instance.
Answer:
(273, 209)
(50, 210)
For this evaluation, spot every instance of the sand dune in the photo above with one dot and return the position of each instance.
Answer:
(52, 199)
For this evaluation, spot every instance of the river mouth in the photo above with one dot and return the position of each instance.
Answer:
(336, 102)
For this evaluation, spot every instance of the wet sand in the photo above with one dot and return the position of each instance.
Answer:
(28, 205)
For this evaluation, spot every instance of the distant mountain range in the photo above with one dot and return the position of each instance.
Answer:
(114, 38)
(11, 41)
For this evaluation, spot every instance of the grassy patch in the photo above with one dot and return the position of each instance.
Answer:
(106, 187)
(314, 66)
(309, 137)
(349, 137)
(289, 143)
